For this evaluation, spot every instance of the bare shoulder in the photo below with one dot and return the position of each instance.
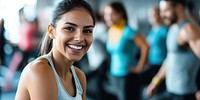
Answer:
(37, 79)
(40, 70)
(39, 66)
(37, 70)
(192, 30)
(34, 68)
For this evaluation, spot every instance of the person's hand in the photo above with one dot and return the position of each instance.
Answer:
(151, 89)
(198, 95)
(136, 69)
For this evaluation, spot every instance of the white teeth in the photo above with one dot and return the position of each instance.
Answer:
(75, 47)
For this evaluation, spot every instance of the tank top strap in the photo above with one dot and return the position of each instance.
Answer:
(62, 93)
(48, 57)
(77, 82)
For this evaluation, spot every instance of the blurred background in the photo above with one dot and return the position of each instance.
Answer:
(23, 23)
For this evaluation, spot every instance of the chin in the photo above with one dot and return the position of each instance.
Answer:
(168, 23)
(109, 24)
(75, 59)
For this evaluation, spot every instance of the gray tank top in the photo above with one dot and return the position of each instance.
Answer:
(62, 93)
(182, 64)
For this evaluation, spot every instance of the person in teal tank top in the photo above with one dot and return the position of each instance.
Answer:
(124, 53)
(124, 45)
(158, 50)
(52, 76)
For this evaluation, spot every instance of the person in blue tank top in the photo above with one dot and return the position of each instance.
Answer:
(52, 76)
(182, 62)
(124, 44)
(157, 42)
(156, 37)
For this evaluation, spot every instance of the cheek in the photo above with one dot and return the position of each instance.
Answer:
(170, 14)
(89, 40)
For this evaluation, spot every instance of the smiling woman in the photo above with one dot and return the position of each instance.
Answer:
(52, 76)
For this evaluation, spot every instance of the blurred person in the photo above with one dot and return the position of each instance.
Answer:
(181, 64)
(194, 17)
(27, 46)
(28, 32)
(157, 42)
(124, 44)
(98, 58)
(156, 38)
(2, 41)
(97, 52)
(52, 76)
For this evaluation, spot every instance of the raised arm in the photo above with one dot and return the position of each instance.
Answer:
(191, 34)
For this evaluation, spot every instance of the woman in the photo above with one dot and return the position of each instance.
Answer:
(157, 42)
(52, 76)
(124, 44)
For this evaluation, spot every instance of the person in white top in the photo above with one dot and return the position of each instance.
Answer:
(68, 38)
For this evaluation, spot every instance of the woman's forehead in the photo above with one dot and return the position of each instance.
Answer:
(78, 16)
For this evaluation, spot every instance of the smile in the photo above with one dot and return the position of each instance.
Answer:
(75, 47)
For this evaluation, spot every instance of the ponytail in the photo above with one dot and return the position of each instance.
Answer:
(45, 45)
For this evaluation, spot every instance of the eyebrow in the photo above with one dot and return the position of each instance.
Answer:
(88, 26)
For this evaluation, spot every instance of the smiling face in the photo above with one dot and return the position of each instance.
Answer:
(168, 12)
(72, 35)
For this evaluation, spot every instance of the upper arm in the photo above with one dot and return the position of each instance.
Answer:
(140, 41)
(22, 92)
(191, 35)
(195, 47)
(81, 76)
(191, 32)
(41, 82)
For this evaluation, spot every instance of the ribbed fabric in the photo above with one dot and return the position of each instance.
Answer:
(182, 64)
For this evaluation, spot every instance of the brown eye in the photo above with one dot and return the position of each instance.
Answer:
(87, 31)
(70, 29)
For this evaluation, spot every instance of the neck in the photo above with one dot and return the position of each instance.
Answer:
(155, 25)
(61, 64)
(121, 23)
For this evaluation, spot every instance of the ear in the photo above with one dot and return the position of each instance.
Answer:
(51, 31)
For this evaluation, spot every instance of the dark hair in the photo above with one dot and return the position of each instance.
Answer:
(98, 17)
(61, 8)
(175, 2)
(119, 7)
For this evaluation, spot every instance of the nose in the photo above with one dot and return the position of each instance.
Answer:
(78, 36)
